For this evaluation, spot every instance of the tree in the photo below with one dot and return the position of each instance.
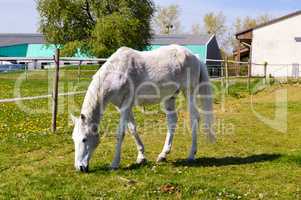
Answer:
(249, 22)
(261, 19)
(166, 20)
(96, 27)
(196, 29)
(215, 23)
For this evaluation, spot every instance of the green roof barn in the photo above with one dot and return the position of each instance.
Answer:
(34, 45)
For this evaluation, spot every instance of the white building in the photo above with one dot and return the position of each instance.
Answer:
(277, 43)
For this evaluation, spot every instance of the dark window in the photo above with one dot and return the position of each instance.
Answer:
(298, 39)
(43, 64)
(295, 71)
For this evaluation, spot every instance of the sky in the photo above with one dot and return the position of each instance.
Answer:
(20, 16)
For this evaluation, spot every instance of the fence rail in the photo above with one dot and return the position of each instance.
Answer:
(12, 100)
(56, 59)
(229, 61)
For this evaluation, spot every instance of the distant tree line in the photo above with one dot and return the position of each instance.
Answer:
(166, 21)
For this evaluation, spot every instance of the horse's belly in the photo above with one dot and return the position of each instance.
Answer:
(153, 95)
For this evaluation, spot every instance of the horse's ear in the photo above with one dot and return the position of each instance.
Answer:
(73, 118)
(83, 117)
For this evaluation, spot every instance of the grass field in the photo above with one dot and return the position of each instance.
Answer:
(249, 161)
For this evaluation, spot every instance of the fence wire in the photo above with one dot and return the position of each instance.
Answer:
(217, 69)
(39, 97)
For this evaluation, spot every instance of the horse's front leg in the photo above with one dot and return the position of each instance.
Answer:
(124, 117)
(171, 114)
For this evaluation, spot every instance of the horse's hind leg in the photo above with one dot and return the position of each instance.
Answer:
(140, 147)
(194, 123)
(172, 122)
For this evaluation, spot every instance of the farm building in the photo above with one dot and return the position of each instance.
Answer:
(203, 46)
(276, 43)
(33, 45)
(26, 46)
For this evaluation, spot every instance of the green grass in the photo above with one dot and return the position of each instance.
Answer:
(249, 161)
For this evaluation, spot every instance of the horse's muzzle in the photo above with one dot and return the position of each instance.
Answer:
(84, 169)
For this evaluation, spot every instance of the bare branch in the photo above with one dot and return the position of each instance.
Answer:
(87, 9)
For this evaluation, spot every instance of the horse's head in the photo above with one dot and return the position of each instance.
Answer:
(85, 139)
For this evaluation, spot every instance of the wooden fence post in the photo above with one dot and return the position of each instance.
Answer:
(26, 69)
(249, 75)
(222, 75)
(78, 71)
(55, 89)
(265, 72)
(227, 76)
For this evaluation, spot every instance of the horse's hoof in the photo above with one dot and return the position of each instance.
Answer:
(161, 160)
(84, 169)
(113, 168)
(141, 161)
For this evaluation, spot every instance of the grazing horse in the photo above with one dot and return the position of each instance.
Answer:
(129, 76)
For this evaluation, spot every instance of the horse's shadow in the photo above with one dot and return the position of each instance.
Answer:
(134, 166)
(201, 162)
(224, 161)
(101, 169)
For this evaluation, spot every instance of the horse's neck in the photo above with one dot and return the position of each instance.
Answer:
(94, 102)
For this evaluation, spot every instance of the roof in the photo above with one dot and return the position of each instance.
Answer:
(7, 39)
(182, 39)
(271, 22)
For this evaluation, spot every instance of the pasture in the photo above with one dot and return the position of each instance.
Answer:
(249, 161)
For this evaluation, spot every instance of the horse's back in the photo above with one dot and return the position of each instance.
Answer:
(173, 57)
(173, 63)
(167, 64)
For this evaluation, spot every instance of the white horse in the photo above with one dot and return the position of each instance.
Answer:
(129, 75)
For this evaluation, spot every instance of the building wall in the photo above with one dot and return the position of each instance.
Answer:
(14, 51)
(43, 50)
(213, 53)
(40, 50)
(198, 50)
(31, 51)
(276, 44)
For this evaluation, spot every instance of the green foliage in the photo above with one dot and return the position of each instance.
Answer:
(96, 27)
(113, 32)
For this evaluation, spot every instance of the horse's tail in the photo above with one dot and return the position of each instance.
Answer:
(207, 104)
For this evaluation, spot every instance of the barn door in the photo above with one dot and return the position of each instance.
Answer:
(295, 70)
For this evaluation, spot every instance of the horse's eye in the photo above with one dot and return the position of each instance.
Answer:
(84, 140)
